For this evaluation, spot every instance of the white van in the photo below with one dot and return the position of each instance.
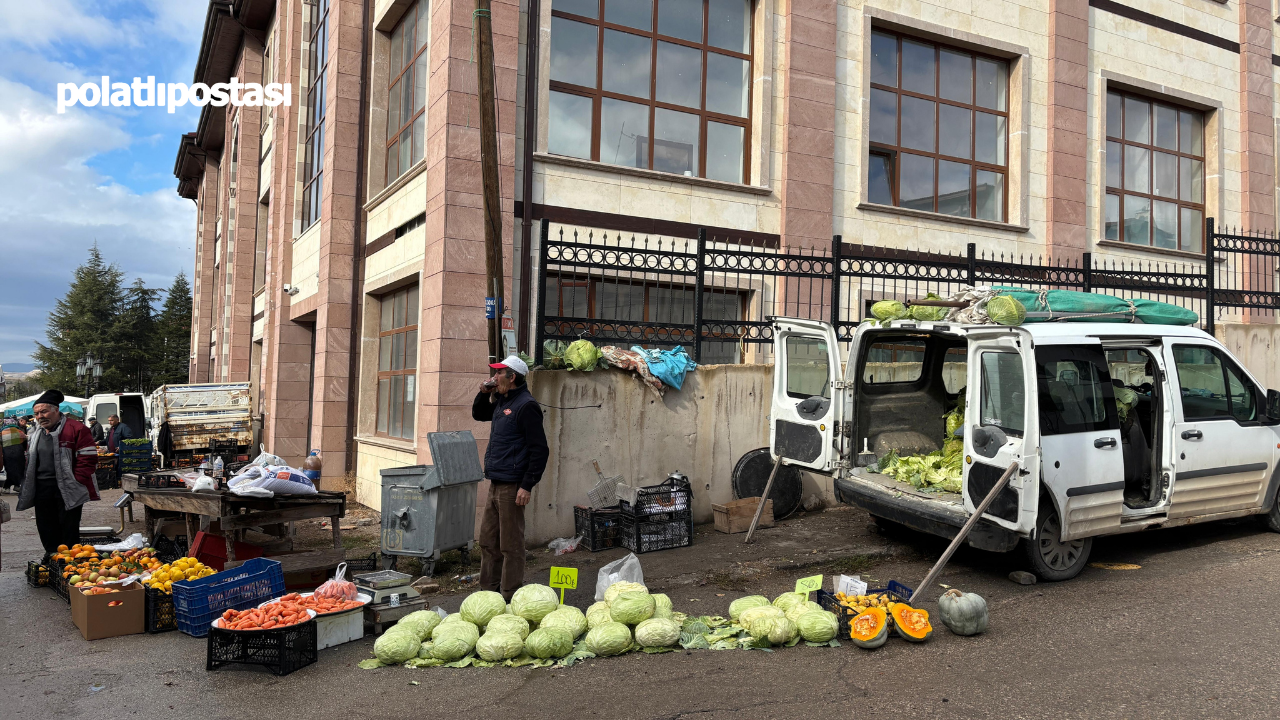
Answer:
(130, 407)
(1199, 440)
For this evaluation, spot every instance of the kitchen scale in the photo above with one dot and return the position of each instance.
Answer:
(393, 597)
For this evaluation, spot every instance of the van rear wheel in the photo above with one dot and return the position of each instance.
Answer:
(1049, 557)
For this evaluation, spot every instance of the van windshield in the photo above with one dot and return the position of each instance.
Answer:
(1003, 402)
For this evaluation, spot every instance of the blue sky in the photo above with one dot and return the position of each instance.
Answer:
(90, 174)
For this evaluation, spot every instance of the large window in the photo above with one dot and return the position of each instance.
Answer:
(1075, 391)
(1211, 388)
(939, 128)
(808, 367)
(1155, 174)
(651, 306)
(397, 363)
(313, 151)
(660, 84)
(1003, 392)
(407, 93)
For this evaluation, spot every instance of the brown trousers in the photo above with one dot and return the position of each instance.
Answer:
(502, 540)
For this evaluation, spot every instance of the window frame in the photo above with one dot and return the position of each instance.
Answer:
(1053, 422)
(894, 152)
(554, 308)
(407, 374)
(317, 95)
(1120, 192)
(598, 93)
(984, 387)
(392, 142)
(1228, 365)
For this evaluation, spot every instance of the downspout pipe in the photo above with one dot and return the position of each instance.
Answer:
(357, 254)
(532, 24)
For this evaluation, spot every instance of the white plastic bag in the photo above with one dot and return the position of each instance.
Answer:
(204, 483)
(627, 568)
(266, 458)
(561, 546)
(133, 542)
(279, 479)
(253, 492)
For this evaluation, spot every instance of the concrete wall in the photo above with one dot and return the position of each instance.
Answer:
(1255, 346)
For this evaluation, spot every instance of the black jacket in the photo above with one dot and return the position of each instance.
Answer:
(517, 444)
(99, 437)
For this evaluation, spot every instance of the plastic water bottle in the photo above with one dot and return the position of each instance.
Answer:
(217, 466)
(311, 467)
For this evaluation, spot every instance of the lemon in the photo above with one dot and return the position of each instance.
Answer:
(168, 586)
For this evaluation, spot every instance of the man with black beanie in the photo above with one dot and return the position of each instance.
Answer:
(61, 459)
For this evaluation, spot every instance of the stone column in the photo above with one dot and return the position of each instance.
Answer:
(1068, 104)
(1258, 145)
(807, 68)
(204, 279)
(240, 257)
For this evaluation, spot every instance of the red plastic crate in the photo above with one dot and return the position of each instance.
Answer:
(212, 550)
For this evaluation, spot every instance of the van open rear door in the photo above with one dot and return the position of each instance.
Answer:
(1001, 426)
(805, 374)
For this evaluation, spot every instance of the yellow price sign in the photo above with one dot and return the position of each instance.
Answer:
(808, 585)
(565, 579)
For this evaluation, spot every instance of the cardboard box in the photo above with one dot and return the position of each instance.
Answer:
(97, 616)
(735, 517)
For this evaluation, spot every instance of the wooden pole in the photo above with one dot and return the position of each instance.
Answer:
(936, 570)
(489, 173)
(764, 498)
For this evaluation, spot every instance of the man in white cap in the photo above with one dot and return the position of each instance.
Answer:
(513, 463)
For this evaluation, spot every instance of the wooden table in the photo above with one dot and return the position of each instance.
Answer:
(236, 514)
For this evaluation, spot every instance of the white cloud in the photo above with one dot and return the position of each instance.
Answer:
(44, 22)
(54, 206)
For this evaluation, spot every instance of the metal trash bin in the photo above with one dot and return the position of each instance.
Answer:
(430, 509)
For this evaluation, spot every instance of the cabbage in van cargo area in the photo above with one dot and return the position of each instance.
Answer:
(567, 618)
(480, 607)
(497, 646)
(622, 586)
(395, 648)
(598, 613)
(533, 602)
(549, 643)
(657, 632)
(744, 603)
(631, 608)
(509, 623)
(818, 626)
(611, 638)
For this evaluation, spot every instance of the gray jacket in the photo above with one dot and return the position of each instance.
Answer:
(75, 458)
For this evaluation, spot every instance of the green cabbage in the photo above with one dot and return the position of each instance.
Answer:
(424, 650)
(1006, 310)
(887, 311)
(567, 618)
(509, 623)
(750, 615)
(582, 355)
(496, 646)
(611, 638)
(481, 607)
(657, 632)
(783, 631)
(598, 613)
(788, 600)
(421, 622)
(928, 312)
(549, 643)
(631, 608)
(818, 626)
(395, 648)
(662, 606)
(533, 602)
(801, 608)
(743, 603)
(622, 586)
(453, 640)
(453, 617)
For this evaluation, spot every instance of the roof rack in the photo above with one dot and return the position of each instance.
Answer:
(1056, 316)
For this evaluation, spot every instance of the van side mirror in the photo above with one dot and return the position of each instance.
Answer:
(1273, 404)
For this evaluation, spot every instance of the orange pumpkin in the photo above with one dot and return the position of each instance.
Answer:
(911, 623)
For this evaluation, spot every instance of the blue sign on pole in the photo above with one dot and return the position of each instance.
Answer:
(491, 308)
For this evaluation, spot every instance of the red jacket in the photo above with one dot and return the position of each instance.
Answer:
(75, 441)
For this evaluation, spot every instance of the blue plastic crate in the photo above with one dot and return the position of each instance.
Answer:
(197, 602)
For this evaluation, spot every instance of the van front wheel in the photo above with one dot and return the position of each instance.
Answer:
(1049, 557)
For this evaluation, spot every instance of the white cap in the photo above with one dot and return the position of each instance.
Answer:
(513, 362)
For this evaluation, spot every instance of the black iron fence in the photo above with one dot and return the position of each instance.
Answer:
(713, 294)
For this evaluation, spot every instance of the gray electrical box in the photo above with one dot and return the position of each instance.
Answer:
(431, 509)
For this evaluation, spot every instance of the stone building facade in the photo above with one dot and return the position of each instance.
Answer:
(340, 257)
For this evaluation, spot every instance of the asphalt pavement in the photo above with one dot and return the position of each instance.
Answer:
(1190, 634)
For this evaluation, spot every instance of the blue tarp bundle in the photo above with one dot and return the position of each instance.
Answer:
(669, 366)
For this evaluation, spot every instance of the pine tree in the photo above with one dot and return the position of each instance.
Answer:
(134, 338)
(173, 351)
(82, 322)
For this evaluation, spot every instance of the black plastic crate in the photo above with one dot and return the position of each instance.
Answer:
(280, 650)
(38, 575)
(159, 480)
(671, 500)
(169, 550)
(57, 582)
(363, 564)
(600, 528)
(642, 534)
(828, 601)
(161, 616)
